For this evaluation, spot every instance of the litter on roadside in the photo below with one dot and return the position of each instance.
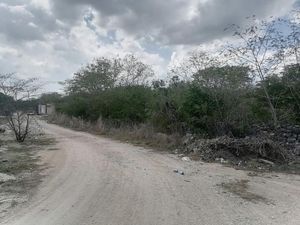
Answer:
(178, 171)
(187, 159)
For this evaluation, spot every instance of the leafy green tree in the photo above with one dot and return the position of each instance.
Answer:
(227, 87)
(100, 75)
(226, 77)
(76, 105)
(124, 104)
(105, 73)
(50, 98)
(199, 111)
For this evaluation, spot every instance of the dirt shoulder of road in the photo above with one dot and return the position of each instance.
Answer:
(20, 169)
(181, 146)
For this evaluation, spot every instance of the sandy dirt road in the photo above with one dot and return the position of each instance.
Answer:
(99, 181)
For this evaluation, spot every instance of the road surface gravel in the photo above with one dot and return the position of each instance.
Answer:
(94, 180)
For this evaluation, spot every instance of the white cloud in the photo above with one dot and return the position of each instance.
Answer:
(45, 4)
(52, 39)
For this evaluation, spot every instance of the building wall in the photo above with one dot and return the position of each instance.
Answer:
(50, 109)
(46, 109)
(42, 109)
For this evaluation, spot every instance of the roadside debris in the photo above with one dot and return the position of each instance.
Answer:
(3, 149)
(2, 129)
(178, 171)
(294, 163)
(187, 159)
(221, 160)
(176, 151)
(266, 162)
(5, 177)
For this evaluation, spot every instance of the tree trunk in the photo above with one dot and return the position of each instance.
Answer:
(272, 108)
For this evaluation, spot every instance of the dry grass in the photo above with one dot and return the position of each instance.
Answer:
(21, 163)
(142, 134)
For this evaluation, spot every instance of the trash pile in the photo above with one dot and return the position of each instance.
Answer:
(232, 150)
(2, 129)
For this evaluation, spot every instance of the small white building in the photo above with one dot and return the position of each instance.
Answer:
(46, 109)
(42, 109)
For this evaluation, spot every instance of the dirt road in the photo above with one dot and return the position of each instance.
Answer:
(95, 180)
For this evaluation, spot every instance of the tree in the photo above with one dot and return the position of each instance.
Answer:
(213, 78)
(97, 76)
(199, 111)
(104, 74)
(260, 48)
(196, 61)
(53, 97)
(290, 79)
(158, 84)
(19, 119)
(164, 108)
(134, 72)
(226, 77)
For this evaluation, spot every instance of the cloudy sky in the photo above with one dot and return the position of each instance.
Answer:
(51, 39)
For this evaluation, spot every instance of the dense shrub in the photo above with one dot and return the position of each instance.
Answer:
(75, 105)
(124, 104)
(4, 100)
(200, 111)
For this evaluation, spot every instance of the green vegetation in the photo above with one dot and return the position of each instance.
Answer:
(225, 104)
(4, 101)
